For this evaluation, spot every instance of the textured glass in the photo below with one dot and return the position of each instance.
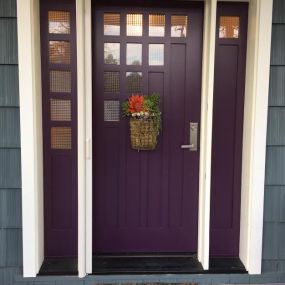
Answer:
(134, 82)
(59, 52)
(112, 53)
(156, 54)
(60, 81)
(134, 54)
(156, 25)
(111, 24)
(61, 138)
(111, 82)
(229, 27)
(179, 26)
(60, 110)
(111, 111)
(134, 25)
(59, 22)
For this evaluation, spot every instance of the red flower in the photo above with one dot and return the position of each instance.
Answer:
(136, 103)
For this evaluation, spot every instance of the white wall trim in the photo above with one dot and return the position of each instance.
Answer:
(31, 134)
(254, 133)
(84, 95)
(88, 119)
(206, 131)
(81, 130)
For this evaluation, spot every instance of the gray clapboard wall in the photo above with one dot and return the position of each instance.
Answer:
(10, 176)
(274, 208)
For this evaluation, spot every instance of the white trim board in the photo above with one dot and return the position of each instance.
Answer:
(31, 135)
(254, 139)
(254, 133)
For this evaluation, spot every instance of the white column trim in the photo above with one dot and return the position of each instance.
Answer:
(81, 130)
(88, 119)
(31, 134)
(254, 133)
(206, 131)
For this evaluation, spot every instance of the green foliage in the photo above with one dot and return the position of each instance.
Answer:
(151, 104)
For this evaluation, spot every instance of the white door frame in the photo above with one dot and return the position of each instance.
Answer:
(254, 137)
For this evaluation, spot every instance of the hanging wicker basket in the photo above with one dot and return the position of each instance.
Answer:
(143, 133)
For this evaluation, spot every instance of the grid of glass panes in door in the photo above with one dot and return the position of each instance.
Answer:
(59, 50)
(135, 27)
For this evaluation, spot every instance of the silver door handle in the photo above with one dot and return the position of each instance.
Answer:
(187, 146)
(193, 138)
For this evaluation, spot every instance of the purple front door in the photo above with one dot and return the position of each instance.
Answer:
(146, 201)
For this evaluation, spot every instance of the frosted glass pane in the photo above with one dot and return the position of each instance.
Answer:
(59, 22)
(59, 52)
(134, 82)
(156, 54)
(156, 25)
(179, 26)
(112, 53)
(134, 54)
(134, 25)
(111, 24)
(229, 27)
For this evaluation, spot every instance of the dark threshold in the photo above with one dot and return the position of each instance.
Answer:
(162, 264)
(144, 264)
(59, 267)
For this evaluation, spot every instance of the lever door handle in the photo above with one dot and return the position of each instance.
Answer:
(190, 146)
(193, 138)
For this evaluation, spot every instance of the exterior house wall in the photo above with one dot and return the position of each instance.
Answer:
(10, 174)
(274, 208)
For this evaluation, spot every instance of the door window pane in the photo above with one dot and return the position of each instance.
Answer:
(134, 25)
(229, 27)
(59, 22)
(60, 81)
(60, 110)
(112, 53)
(59, 52)
(156, 54)
(111, 24)
(134, 82)
(61, 138)
(156, 25)
(111, 82)
(134, 54)
(111, 111)
(178, 26)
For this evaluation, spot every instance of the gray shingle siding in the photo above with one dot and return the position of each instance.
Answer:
(274, 205)
(10, 175)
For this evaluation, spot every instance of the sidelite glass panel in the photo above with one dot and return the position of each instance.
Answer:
(111, 111)
(134, 54)
(134, 25)
(60, 81)
(112, 53)
(111, 24)
(59, 52)
(60, 110)
(134, 82)
(156, 54)
(111, 82)
(61, 138)
(156, 25)
(59, 22)
(179, 26)
(229, 27)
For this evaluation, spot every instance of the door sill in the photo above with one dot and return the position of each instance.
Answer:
(162, 264)
(144, 264)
